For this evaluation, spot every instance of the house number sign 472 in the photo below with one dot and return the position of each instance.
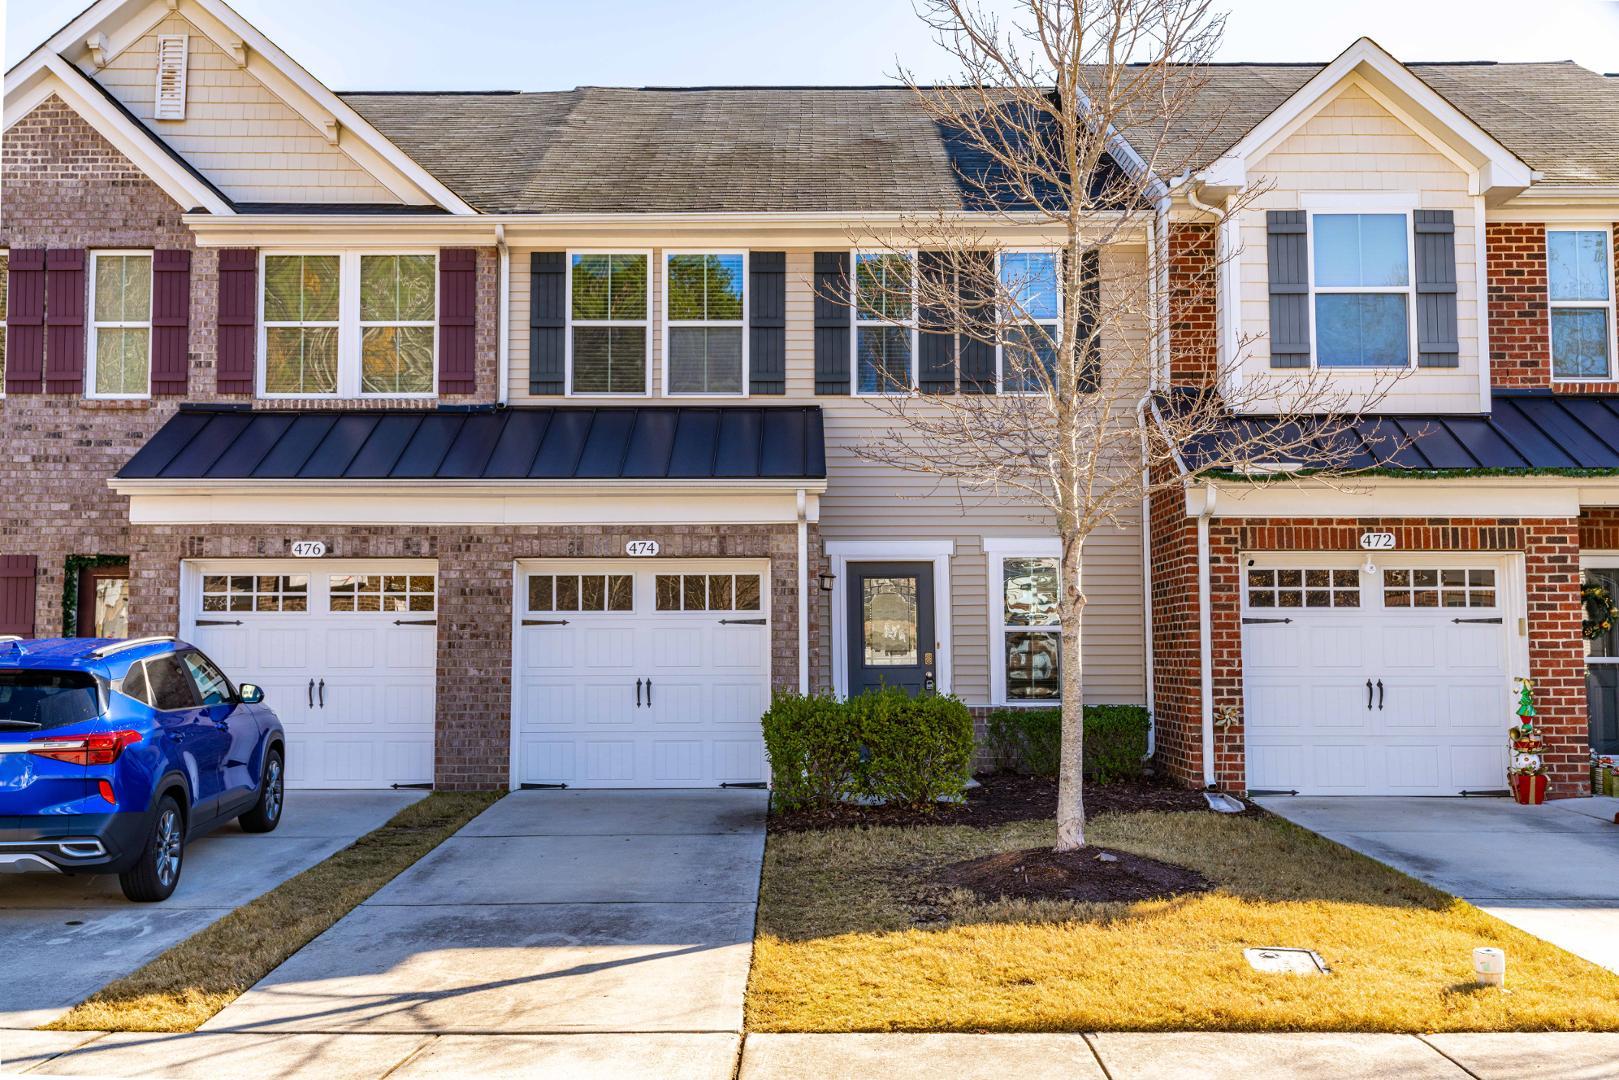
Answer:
(1377, 541)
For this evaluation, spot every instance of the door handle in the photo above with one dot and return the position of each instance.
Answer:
(637, 693)
(1379, 695)
(323, 693)
(1368, 695)
(649, 693)
(311, 693)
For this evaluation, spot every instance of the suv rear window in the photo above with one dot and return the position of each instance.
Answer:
(47, 699)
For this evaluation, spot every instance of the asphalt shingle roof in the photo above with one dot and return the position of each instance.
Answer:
(854, 149)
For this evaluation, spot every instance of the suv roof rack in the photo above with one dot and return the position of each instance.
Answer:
(11, 637)
(130, 643)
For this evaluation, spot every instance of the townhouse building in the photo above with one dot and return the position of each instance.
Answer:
(514, 438)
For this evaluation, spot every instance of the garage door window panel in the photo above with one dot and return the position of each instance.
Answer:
(1428, 587)
(373, 593)
(581, 592)
(255, 592)
(1301, 587)
(706, 592)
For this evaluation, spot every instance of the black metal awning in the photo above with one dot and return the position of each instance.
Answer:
(653, 442)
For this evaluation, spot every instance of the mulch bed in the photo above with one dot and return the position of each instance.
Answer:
(1001, 798)
(1081, 876)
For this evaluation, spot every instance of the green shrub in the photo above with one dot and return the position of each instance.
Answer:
(918, 750)
(814, 749)
(1031, 739)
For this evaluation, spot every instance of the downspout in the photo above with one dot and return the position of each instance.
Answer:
(803, 593)
(1158, 245)
(1205, 634)
(503, 319)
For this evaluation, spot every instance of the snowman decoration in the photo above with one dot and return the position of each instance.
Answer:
(1526, 770)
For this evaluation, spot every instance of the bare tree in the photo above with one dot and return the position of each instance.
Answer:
(1071, 123)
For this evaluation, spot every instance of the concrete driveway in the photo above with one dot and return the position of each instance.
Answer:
(73, 935)
(1550, 870)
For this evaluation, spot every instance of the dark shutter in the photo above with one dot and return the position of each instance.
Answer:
(1287, 252)
(832, 316)
(17, 595)
(767, 322)
(936, 338)
(1090, 308)
(25, 322)
(171, 321)
(238, 313)
(458, 321)
(547, 322)
(1437, 346)
(64, 321)
(977, 347)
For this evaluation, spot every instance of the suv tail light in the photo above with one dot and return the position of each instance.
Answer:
(102, 748)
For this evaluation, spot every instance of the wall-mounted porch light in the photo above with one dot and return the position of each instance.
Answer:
(828, 580)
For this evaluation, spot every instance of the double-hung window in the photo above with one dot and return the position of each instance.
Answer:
(1361, 285)
(884, 322)
(705, 348)
(609, 338)
(120, 324)
(1579, 279)
(1033, 321)
(1026, 648)
(349, 324)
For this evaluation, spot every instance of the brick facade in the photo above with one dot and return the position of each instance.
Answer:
(475, 602)
(1599, 528)
(1193, 304)
(1550, 548)
(66, 187)
(1518, 310)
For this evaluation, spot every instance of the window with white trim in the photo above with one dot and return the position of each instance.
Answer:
(1026, 663)
(120, 324)
(1029, 282)
(1361, 289)
(609, 334)
(1579, 280)
(348, 324)
(705, 340)
(884, 322)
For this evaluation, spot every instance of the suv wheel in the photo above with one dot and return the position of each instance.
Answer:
(157, 871)
(266, 813)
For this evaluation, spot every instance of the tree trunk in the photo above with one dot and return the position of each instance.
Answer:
(1070, 764)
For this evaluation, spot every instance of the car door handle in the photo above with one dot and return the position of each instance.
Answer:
(1379, 695)
(637, 693)
(1368, 695)
(312, 694)
(323, 693)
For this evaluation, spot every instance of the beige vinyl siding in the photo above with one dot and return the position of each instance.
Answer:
(1353, 144)
(868, 501)
(236, 132)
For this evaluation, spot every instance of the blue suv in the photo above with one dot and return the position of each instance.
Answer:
(113, 754)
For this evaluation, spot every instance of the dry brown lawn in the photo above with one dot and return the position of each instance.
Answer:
(853, 938)
(181, 988)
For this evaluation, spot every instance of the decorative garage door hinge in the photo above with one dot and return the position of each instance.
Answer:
(1496, 620)
(219, 622)
(1251, 621)
(415, 622)
(742, 622)
(545, 622)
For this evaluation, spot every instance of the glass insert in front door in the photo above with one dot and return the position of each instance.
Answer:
(890, 612)
(1602, 672)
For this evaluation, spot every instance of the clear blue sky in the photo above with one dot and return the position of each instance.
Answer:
(556, 44)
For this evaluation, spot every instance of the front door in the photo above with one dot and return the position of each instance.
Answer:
(1602, 670)
(891, 640)
(103, 602)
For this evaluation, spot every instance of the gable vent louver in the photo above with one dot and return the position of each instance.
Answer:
(170, 103)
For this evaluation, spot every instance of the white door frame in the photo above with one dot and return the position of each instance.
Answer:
(519, 609)
(843, 552)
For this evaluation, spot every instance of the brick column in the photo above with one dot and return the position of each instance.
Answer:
(1557, 652)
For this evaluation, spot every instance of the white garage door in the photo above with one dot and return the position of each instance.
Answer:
(345, 652)
(635, 673)
(1394, 682)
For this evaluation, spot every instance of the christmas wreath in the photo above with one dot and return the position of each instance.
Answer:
(1601, 613)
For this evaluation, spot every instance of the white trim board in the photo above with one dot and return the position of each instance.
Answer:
(840, 553)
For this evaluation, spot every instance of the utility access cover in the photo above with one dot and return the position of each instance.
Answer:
(1285, 961)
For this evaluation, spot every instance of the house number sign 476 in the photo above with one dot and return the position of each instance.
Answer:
(308, 549)
(1377, 541)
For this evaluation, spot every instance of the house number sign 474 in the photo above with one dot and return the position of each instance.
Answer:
(641, 548)
(1377, 541)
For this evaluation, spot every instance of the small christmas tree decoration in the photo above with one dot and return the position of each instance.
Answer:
(1526, 770)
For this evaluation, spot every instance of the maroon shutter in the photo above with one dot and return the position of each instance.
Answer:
(238, 309)
(171, 321)
(457, 320)
(64, 321)
(17, 595)
(25, 322)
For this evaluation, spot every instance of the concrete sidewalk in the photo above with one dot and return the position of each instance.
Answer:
(713, 1056)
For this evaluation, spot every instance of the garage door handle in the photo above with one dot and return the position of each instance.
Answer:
(1368, 695)
(311, 693)
(649, 693)
(323, 693)
(1379, 695)
(637, 693)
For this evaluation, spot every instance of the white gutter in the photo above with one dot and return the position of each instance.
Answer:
(1205, 633)
(803, 593)
(503, 318)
